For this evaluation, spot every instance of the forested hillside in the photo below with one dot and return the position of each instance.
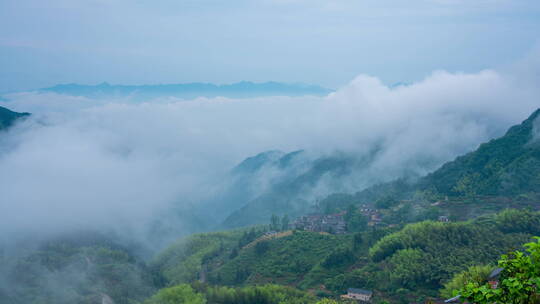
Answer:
(408, 263)
(509, 165)
(423, 234)
(80, 267)
(290, 180)
(501, 173)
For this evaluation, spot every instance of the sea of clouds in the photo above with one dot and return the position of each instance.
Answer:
(116, 164)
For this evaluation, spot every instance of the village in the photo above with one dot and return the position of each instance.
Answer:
(333, 223)
(336, 223)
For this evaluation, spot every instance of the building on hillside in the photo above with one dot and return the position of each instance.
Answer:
(373, 215)
(493, 278)
(270, 233)
(444, 219)
(361, 295)
(375, 219)
(332, 223)
(455, 299)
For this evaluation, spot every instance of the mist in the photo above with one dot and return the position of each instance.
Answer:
(116, 165)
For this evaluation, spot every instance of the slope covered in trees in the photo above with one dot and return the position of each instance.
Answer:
(76, 268)
(509, 165)
(397, 263)
(290, 180)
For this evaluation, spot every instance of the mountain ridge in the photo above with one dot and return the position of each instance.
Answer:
(8, 117)
(243, 89)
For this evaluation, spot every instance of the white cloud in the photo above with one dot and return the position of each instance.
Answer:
(80, 162)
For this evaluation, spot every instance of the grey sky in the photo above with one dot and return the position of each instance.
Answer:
(326, 42)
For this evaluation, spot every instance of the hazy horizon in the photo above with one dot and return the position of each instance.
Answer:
(317, 42)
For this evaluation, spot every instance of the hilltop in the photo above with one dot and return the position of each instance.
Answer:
(8, 117)
(509, 165)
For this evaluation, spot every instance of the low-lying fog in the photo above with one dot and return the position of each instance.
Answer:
(118, 165)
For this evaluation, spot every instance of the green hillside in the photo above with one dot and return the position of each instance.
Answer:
(407, 257)
(288, 194)
(79, 268)
(402, 261)
(501, 173)
(509, 165)
(411, 262)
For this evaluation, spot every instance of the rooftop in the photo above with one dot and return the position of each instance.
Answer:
(359, 291)
(495, 273)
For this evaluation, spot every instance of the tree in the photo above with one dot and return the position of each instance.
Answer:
(472, 274)
(327, 301)
(467, 185)
(519, 280)
(285, 223)
(386, 202)
(175, 295)
(355, 220)
(274, 222)
(234, 253)
(357, 240)
(261, 247)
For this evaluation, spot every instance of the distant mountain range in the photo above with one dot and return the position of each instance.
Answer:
(242, 89)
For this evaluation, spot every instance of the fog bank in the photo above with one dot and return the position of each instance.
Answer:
(112, 164)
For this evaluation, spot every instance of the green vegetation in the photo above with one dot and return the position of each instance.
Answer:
(518, 281)
(286, 195)
(422, 256)
(355, 220)
(286, 260)
(183, 261)
(201, 293)
(78, 271)
(412, 262)
(502, 173)
(509, 165)
(408, 257)
(477, 274)
(177, 294)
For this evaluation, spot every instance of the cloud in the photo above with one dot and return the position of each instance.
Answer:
(82, 163)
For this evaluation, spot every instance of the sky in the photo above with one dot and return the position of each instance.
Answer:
(43, 43)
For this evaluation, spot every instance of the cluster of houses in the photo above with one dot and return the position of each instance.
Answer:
(335, 223)
(373, 215)
(332, 223)
(444, 219)
(360, 295)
